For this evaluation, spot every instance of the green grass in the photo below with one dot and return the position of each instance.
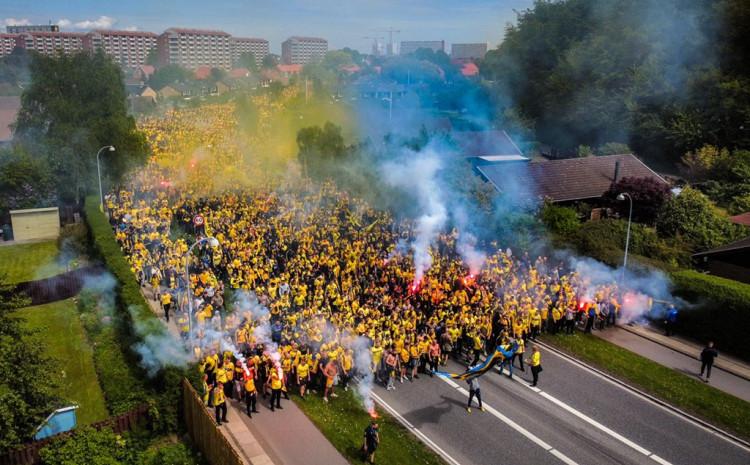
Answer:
(60, 328)
(673, 387)
(343, 422)
(27, 262)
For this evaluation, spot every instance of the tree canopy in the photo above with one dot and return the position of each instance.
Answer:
(663, 76)
(74, 105)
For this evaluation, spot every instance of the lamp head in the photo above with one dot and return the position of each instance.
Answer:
(621, 197)
(213, 242)
(111, 148)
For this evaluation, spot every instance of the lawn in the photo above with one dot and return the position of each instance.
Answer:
(61, 329)
(673, 387)
(343, 422)
(27, 262)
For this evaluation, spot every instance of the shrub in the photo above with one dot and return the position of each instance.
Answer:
(560, 220)
(720, 310)
(169, 454)
(90, 446)
(648, 197)
(692, 217)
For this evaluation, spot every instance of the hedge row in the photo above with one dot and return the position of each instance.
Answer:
(720, 310)
(164, 389)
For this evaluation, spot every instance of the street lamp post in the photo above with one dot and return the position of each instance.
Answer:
(213, 242)
(390, 105)
(111, 148)
(621, 197)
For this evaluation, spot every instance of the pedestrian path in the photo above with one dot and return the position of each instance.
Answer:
(644, 342)
(284, 437)
(691, 349)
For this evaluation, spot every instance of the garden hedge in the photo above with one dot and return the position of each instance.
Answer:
(137, 321)
(719, 310)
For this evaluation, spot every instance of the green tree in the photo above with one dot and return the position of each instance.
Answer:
(270, 61)
(25, 181)
(247, 60)
(169, 74)
(692, 217)
(88, 445)
(320, 149)
(75, 105)
(28, 378)
(561, 220)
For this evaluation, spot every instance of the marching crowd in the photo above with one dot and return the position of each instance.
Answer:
(312, 273)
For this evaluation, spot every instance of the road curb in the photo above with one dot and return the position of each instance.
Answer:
(655, 340)
(703, 423)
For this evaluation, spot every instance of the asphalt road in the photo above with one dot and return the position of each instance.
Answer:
(574, 417)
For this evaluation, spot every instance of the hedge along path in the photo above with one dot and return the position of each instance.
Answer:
(139, 325)
(721, 312)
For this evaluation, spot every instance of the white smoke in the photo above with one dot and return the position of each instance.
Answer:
(418, 175)
(363, 370)
(158, 347)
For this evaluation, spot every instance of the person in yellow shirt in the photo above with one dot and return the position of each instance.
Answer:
(303, 376)
(347, 363)
(251, 393)
(220, 404)
(166, 304)
(535, 362)
(275, 380)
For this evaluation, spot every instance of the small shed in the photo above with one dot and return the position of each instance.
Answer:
(35, 223)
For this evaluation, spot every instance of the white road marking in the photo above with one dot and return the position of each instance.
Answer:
(520, 429)
(431, 444)
(595, 423)
(684, 416)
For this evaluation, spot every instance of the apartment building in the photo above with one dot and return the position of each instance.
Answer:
(411, 46)
(468, 51)
(192, 48)
(127, 48)
(7, 43)
(49, 43)
(32, 28)
(258, 47)
(303, 50)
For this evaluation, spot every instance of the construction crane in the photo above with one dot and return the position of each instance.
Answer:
(375, 44)
(390, 32)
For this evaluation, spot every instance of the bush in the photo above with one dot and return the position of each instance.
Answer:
(648, 197)
(169, 454)
(90, 446)
(560, 220)
(605, 241)
(133, 312)
(692, 217)
(721, 310)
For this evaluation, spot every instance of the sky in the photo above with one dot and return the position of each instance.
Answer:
(345, 23)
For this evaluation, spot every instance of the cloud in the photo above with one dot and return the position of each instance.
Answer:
(16, 22)
(131, 28)
(102, 22)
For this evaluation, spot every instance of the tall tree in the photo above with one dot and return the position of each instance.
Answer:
(75, 105)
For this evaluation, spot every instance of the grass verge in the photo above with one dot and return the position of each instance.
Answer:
(673, 387)
(27, 262)
(343, 422)
(60, 327)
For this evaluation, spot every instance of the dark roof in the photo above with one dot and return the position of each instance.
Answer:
(483, 143)
(248, 39)
(181, 30)
(566, 180)
(9, 107)
(742, 218)
(737, 245)
(306, 39)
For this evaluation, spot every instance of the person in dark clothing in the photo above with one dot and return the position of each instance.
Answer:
(670, 321)
(708, 355)
(372, 440)
(591, 317)
(474, 391)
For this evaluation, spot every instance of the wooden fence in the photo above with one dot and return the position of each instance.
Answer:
(203, 430)
(29, 453)
(60, 287)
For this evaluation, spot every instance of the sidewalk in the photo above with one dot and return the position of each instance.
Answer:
(284, 437)
(646, 343)
(691, 349)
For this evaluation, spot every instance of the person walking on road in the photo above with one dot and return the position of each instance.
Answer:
(220, 404)
(372, 440)
(276, 382)
(535, 362)
(251, 394)
(474, 392)
(708, 355)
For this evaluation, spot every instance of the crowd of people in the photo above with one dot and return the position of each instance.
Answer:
(312, 271)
